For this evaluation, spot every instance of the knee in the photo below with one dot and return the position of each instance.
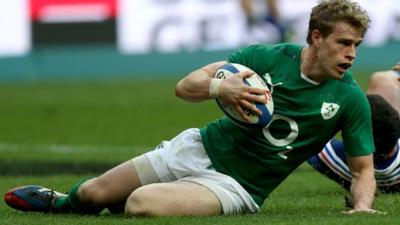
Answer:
(91, 192)
(141, 203)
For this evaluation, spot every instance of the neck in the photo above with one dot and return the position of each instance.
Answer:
(310, 65)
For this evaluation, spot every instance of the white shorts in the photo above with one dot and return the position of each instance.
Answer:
(185, 159)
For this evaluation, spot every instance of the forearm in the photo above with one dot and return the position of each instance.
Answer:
(363, 190)
(194, 87)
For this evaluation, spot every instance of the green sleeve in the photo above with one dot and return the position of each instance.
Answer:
(263, 58)
(253, 56)
(357, 130)
(239, 56)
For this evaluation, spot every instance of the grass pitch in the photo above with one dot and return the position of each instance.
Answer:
(54, 134)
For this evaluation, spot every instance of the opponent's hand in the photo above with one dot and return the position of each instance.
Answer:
(361, 211)
(242, 97)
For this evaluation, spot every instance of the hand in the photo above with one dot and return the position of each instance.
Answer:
(366, 211)
(234, 92)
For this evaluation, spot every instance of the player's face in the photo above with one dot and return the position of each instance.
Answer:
(337, 51)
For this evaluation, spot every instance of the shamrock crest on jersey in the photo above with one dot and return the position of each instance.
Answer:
(329, 110)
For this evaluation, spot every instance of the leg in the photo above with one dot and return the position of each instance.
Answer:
(386, 84)
(179, 198)
(90, 197)
(325, 170)
(111, 188)
(190, 186)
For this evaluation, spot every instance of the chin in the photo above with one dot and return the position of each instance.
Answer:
(337, 75)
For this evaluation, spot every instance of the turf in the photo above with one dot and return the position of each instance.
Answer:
(53, 134)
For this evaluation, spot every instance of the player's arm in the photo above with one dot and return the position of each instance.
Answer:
(363, 183)
(201, 85)
(195, 87)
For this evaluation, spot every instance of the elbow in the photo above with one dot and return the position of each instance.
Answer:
(179, 90)
(182, 92)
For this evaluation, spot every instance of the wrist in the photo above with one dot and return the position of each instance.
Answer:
(214, 87)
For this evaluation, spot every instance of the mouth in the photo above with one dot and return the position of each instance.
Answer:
(344, 66)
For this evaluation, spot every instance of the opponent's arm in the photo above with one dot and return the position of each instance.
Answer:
(195, 87)
(363, 183)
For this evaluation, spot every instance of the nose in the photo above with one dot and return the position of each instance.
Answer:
(351, 52)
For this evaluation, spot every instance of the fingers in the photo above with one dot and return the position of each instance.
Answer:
(247, 109)
(246, 105)
(367, 211)
(256, 91)
(246, 74)
(242, 113)
(255, 95)
(242, 97)
(250, 108)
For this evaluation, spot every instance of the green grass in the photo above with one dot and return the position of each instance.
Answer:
(304, 198)
(115, 113)
(54, 134)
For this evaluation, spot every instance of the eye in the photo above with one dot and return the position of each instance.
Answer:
(345, 42)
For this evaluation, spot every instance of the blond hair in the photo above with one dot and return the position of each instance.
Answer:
(327, 13)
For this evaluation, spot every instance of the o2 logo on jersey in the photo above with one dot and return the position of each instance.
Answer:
(292, 135)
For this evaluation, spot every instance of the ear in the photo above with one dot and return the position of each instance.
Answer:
(316, 37)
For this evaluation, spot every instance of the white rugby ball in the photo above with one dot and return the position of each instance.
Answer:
(230, 69)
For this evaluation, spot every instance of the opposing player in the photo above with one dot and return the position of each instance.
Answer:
(224, 169)
(384, 97)
(259, 15)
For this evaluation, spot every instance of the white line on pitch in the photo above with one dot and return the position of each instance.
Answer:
(70, 148)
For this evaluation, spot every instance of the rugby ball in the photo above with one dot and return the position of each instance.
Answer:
(230, 69)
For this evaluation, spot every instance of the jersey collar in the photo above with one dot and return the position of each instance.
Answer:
(308, 79)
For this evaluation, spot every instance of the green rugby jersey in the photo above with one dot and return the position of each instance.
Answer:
(306, 116)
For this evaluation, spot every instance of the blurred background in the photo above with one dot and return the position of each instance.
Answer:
(85, 84)
(95, 39)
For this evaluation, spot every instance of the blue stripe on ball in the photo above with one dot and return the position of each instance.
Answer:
(263, 120)
(265, 117)
(230, 68)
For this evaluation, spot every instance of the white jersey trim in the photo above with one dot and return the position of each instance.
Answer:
(308, 79)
